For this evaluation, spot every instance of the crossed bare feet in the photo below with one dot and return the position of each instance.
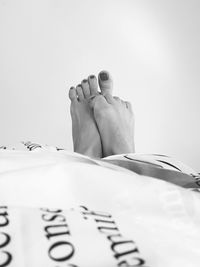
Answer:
(102, 125)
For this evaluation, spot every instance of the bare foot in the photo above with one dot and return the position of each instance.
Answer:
(86, 138)
(114, 118)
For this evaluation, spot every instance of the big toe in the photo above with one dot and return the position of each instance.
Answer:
(105, 82)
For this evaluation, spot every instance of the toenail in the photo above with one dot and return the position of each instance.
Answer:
(103, 76)
(79, 85)
(92, 76)
(84, 80)
(71, 88)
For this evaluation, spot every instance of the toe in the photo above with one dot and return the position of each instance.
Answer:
(72, 94)
(79, 92)
(124, 103)
(129, 106)
(93, 84)
(116, 98)
(85, 88)
(105, 82)
(119, 101)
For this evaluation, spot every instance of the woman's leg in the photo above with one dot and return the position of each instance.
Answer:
(86, 137)
(114, 118)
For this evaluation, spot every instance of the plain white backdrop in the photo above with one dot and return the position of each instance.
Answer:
(151, 48)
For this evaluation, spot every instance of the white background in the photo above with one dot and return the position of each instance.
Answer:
(151, 48)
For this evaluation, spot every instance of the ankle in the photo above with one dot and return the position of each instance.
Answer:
(125, 149)
(90, 151)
